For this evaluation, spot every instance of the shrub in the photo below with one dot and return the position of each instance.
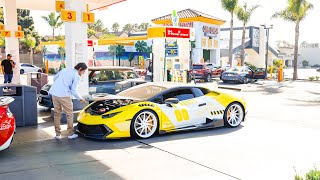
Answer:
(317, 78)
(311, 78)
(52, 71)
(313, 174)
(253, 67)
(274, 70)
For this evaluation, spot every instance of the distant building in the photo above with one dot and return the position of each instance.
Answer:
(255, 46)
(309, 52)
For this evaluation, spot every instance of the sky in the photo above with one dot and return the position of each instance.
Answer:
(138, 11)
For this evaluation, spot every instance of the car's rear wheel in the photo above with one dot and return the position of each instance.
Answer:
(233, 115)
(21, 71)
(144, 124)
(208, 79)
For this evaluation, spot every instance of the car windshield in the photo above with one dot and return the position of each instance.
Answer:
(112, 75)
(197, 66)
(142, 92)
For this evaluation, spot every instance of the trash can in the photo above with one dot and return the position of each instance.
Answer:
(37, 80)
(24, 107)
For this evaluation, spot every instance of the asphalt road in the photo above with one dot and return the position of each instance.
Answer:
(281, 133)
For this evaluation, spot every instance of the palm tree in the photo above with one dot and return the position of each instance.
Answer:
(120, 51)
(295, 12)
(244, 14)
(53, 21)
(115, 27)
(149, 49)
(62, 52)
(30, 42)
(143, 26)
(44, 52)
(141, 46)
(130, 58)
(230, 6)
(112, 49)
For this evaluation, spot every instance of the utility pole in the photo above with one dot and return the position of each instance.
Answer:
(267, 28)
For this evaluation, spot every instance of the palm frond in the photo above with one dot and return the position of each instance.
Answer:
(229, 5)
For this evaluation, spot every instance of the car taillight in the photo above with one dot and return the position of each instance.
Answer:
(202, 71)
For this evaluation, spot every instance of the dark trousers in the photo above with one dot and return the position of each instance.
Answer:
(8, 78)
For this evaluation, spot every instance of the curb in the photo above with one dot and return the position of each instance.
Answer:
(229, 88)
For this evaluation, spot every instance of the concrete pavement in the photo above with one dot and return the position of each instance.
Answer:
(281, 132)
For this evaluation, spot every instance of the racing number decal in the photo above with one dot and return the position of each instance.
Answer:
(69, 16)
(182, 115)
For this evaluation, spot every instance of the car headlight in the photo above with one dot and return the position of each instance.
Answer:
(110, 115)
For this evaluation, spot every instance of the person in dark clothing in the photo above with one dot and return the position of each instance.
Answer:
(7, 69)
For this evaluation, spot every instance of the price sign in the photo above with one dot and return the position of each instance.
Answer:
(19, 34)
(6, 33)
(1, 27)
(69, 16)
(88, 17)
(59, 6)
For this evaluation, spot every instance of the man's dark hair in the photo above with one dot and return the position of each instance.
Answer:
(81, 66)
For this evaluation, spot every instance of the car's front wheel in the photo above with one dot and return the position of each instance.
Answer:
(233, 115)
(144, 124)
(21, 71)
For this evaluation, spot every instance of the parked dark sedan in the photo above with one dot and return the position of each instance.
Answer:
(242, 74)
(110, 80)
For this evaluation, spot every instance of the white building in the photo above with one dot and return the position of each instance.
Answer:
(255, 46)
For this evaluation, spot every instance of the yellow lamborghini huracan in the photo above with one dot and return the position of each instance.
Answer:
(151, 108)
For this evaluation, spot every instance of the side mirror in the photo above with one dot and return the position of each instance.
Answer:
(171, 101)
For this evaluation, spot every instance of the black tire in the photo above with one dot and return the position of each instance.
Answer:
(208, 79)
(155, 129)
(21, 71)
(225, 115)
(225, 81)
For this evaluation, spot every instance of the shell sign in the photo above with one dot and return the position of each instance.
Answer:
(170, 32)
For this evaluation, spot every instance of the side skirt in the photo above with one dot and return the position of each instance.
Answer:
(209, 124)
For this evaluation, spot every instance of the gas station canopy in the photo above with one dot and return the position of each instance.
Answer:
(49, 5)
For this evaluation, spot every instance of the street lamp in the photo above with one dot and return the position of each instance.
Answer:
(267, 28)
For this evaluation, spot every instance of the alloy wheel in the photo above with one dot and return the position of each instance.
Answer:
(235, 115)
(145, 124)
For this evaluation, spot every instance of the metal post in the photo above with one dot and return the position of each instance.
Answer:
(267, 52)
(267, 49)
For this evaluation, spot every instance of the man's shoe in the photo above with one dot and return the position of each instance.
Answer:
(73, 136)
(58, 137)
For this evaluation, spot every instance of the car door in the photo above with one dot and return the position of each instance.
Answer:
(27, 68)
(181, 115)
(259, 73)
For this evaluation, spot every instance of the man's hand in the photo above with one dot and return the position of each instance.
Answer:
(82, 101)
(12, 64)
